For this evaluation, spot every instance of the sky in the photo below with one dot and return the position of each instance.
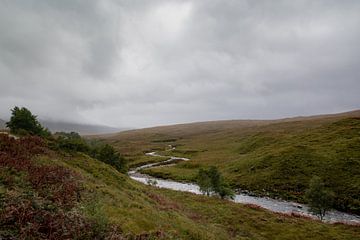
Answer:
(144, 63)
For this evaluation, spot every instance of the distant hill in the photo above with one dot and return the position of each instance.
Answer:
(83, 129)
(2, 124)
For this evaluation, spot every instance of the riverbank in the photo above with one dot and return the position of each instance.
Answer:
(274, 205)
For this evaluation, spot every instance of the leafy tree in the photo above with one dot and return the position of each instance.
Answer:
(204, 182)
(23, 122)
(319, 198)
(211, 181)
(215, 177)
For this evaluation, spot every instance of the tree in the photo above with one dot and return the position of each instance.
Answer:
(23, 122)
(216, 178)
(211, 181)
(319, 198)
(204, 182)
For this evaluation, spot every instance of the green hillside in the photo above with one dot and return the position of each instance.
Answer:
(276, 157)
(48, 194)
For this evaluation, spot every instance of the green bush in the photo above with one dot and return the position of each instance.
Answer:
(107, 154)
(71, 142)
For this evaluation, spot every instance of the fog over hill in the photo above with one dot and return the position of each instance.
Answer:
(2, 123)
(83, 129)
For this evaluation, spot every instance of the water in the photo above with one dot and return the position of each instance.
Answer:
(274, 205)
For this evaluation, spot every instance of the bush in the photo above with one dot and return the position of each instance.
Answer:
(107, 154)
(71, 142)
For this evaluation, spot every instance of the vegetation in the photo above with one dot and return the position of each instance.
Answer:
(47, 195)
(39, 201)
(73, 143)
(48, 192)
(23, 122)
(276, 158)
(107, 154)
(211, 182)
(319, 198)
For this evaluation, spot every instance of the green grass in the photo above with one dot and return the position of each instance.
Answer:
(113, 197)
(110, 197)
(274, 157)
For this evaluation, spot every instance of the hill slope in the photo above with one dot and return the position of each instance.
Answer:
(276, 157)
(61, 196)
(83, 129)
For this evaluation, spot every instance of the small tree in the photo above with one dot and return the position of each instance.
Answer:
(319, 198)
(22, 122)
(216, 179)
(211, 181)
(204, 182)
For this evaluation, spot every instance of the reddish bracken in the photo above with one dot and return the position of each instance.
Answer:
(35, 223)
(53, 186)
(56, 183)
(17, 153)
(48, 211)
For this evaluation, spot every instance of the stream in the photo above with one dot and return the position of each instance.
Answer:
(273, 205)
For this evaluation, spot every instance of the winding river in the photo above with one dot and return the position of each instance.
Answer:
(274, 205)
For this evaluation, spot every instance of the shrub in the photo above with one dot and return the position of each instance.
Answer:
(71, 142)
(107, 154)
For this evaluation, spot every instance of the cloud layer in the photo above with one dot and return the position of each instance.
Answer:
(143, 63)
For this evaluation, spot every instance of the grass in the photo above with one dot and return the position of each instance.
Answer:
(140, 209)
(111, 199)
(267, 157)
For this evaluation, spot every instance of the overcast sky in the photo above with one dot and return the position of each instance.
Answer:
(144, 63)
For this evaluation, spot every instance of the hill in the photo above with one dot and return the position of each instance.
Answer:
(83, 129)
(2, 124)
(269, 157)
(50, 194)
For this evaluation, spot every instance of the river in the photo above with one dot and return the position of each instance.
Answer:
(273, 205)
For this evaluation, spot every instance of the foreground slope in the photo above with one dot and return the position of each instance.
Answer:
(277, 157)
(75, 196)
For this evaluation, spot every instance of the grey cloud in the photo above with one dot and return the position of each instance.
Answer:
(142, 63)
